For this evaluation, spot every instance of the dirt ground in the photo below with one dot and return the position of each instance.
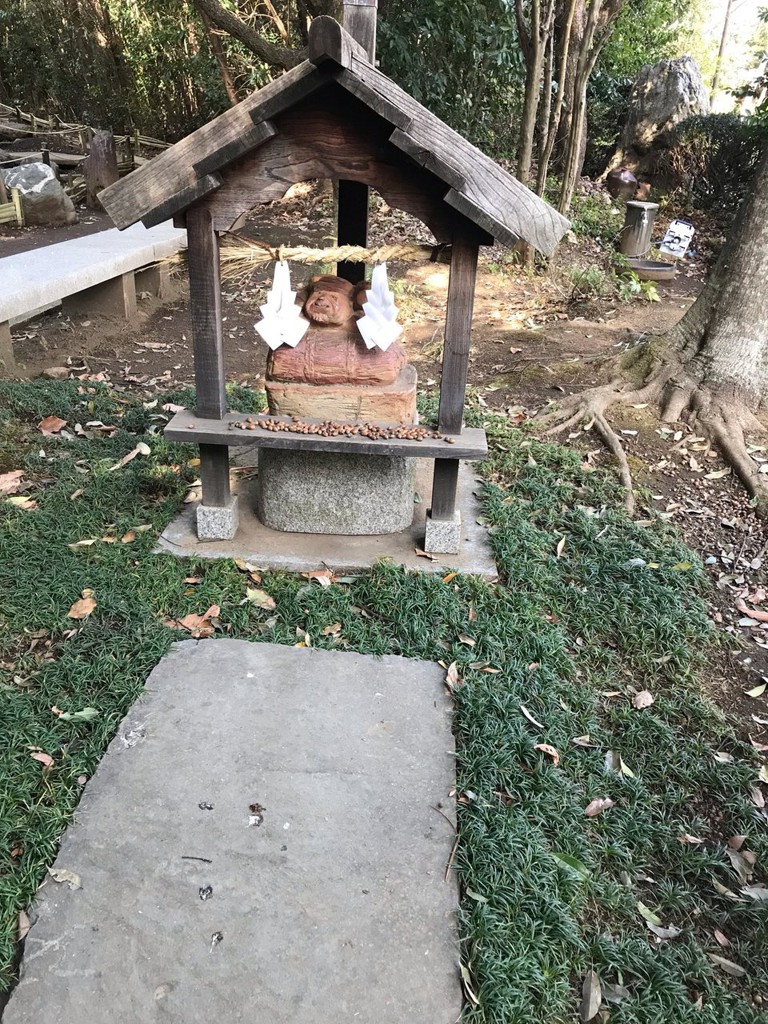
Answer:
(531, 344)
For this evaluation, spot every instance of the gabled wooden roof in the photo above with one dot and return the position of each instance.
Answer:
(476, 186)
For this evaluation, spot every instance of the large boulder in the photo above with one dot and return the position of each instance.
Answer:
(43, 198)
(663, 95)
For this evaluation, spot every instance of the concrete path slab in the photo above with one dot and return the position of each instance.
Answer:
(333, 909)
(306, 552)
(35, 279)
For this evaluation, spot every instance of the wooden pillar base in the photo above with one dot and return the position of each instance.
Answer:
(111, 298)
(214, 474)
(444, 489)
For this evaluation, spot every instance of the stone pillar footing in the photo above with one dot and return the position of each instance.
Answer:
(217, 522)
(443, 536)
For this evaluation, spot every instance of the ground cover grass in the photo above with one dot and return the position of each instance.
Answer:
(590, 608)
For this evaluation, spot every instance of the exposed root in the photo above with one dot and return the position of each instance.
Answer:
(610, 439)
(723, 413)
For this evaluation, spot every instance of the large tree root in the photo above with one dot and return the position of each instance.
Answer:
(722, 413)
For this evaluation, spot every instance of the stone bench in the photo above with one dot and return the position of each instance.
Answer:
(95, 274)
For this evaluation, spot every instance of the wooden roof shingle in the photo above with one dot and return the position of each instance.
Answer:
(476, 186)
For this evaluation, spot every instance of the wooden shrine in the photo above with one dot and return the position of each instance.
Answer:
(333, 116)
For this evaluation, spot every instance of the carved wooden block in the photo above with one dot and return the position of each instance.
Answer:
(391, 403)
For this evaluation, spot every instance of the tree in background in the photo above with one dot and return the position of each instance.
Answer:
(711, 369)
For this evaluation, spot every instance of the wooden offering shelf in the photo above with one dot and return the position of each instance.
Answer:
(186, 426)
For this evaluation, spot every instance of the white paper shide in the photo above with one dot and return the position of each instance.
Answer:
(379, 327)
(283, 323)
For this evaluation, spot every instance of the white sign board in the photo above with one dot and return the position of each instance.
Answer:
(677, 239)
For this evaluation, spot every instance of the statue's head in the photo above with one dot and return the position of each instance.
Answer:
(330, 300)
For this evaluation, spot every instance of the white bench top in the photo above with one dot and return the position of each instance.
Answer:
(40, 277)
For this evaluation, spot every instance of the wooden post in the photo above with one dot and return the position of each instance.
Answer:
(360, 22)
(100, 167)
(453, 382)
(205, 311)
(458, 328)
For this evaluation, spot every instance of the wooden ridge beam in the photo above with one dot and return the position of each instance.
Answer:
(328, 41)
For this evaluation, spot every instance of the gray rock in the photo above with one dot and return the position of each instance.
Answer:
(663, 95)
(42, 196)
(318, 492)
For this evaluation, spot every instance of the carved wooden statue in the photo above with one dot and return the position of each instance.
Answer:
(331, 372)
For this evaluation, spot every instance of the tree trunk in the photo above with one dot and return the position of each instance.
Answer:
(218, 51)
(723, 338)
(534, 58)
(711, 369)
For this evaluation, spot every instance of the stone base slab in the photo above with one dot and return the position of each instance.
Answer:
(322, 492)
(443, 536)
(394, 403)
(217, 523)
(307, 552)
(332, 907)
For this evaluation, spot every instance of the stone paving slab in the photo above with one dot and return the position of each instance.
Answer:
(306, 552)
(333, 909)
(41, 277)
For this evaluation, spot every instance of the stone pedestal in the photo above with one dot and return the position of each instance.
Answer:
(443, 536)
(317, 492)
(217, 522)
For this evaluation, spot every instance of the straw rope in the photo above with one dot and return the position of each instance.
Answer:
(240, 256)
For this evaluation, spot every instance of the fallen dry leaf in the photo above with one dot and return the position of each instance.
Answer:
(260, 598)
(84, 607)
(425, 554)
(757, 691)
(450, 576)
(530, 717)
(591, 997)
(333, 630)
(11, 482)
(756, 892)
(643, 699)
(51, 425)
(550, 751)
(43, 758)
(753, 613)
(468, 640)
(140, 449)
(197, 625)
(19, 501)
(686, 837)
(735, 970)
(597, 806)
(736, 842)
(128, 537)
(24, 924)
(65, 875)
(452, 677)
(721, 939)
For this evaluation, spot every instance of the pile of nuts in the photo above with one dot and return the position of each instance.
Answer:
(333, 428)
